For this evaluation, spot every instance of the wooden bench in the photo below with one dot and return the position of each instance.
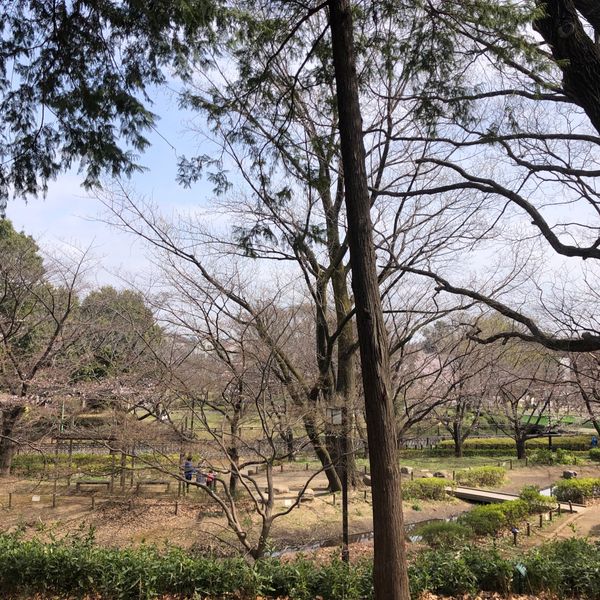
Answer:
(153, 482)
(78, 484)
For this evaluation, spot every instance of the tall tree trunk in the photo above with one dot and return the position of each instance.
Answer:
(458, 440)
(390, 578)
(10, 417)
(521, 450)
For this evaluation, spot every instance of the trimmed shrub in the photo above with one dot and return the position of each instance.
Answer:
(595, 454)
(481, 476)
(548, 457)
(535, 501)
(485, 520)
(577, 490)
(445, 534)
(433, 488)
(567, 442)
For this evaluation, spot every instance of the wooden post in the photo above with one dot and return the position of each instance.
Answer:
(510, 464)
(365, 495)
(55, 468)
(570, 507)
(93, 502)
(559, 510)
(453, 475)
(306, 469)
(122, 473)
(526, 461)
(528, 529)
(176, 507)
(53, 500)
(550, 513)
(281, 467)
(132, 471)
(541, 520)
(9, 499)
(70, 465)
(334, 499)
(112, 472)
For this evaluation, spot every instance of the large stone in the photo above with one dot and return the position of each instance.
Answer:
(308, 495)
(426, 475)
(406, 470)
(367, 480)
(569, 474)
(280, 489)
(440, 474)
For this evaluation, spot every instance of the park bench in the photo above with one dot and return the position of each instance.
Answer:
(91, 482)
(152, 482)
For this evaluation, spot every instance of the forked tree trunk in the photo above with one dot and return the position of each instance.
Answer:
(390, 578)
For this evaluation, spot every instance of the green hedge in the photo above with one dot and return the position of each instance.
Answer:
(568, 568)
(577, 490)
(481, 476)
(567, 442)
(431, 488)
(489, 519)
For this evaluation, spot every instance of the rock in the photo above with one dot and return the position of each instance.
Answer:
(406, 470)
(440, 474)
(280, 489)
(569, 474)
(426, 475)
(308, 496)
(367, 480)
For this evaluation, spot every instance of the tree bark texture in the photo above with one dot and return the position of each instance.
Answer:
(390, 577)
(577, 55)
(10, 417)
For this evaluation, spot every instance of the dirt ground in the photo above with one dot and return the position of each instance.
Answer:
(199, 523)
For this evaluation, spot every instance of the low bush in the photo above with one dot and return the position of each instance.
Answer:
(481, 476)
(548, 457)
(595, 454)
(78, 568)
(492, 518)
(567, 442)
(485, 520)
(432, 488)
(444, 534)
(577, 490)
(536, 502)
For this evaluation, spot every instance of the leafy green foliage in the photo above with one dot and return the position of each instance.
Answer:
(548, 457)
(595, 454)
(490, 519)
(577, 490)
(76, 568)
(120, 331)
(74, 78)
(567, 442)
(536, 501)
(481, 476)
(432, 488)
(445, 534)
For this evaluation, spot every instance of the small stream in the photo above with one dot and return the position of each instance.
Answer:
(357, 538)
(367, 536)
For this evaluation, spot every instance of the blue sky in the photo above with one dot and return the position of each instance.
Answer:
(69, 215)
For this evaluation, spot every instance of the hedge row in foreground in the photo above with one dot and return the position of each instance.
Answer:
(569, 568)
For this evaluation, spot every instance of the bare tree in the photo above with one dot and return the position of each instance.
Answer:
(37, 330)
